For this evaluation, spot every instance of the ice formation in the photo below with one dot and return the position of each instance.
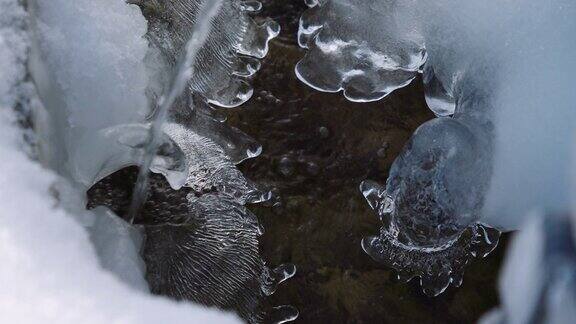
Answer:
(212, 188)
(97, 67)
(361, 60)
(475, 166)
(199, 246)
(50, 271)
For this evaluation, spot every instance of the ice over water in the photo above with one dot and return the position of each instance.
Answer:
(497, 76)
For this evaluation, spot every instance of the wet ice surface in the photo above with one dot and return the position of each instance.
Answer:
(436, 254)
(316, 150)
(364, 62)
(311, 158)
(230, 55)
(476, 162)
(53, 254)
(206, 250)
(433, 200)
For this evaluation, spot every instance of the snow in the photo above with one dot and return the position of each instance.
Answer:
(50, 272)
(88, 64)
(13, 47)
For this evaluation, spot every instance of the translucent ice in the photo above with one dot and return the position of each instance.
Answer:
(209, 168)
(177, 84)
(432, 205)
(232, 52)
(365, 60)
(50, 271)
(87, 62)
(502, 142)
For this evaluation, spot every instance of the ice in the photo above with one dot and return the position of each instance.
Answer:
(538, 280)
(223, 82)
(50, 271)
(124, 145)
(118, 246)
(217, 258)
(209, 168)
(502, 142)
(232, 52)
(181, 43)
(200, 246)
(434, 197)
(183, 73)
(98, 67)
(362, 60)
(438, 97)
(87, 62)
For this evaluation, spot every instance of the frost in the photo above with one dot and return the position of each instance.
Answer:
(209, 168)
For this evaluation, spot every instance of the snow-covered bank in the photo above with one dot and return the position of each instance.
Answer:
(50, 270)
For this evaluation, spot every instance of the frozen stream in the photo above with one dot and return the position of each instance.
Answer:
(320, 161)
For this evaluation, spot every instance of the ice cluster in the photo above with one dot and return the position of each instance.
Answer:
(348, 50)
(230, 56)
(498, 77)
(99, 68)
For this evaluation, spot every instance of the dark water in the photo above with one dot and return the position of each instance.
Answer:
(317, 149)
